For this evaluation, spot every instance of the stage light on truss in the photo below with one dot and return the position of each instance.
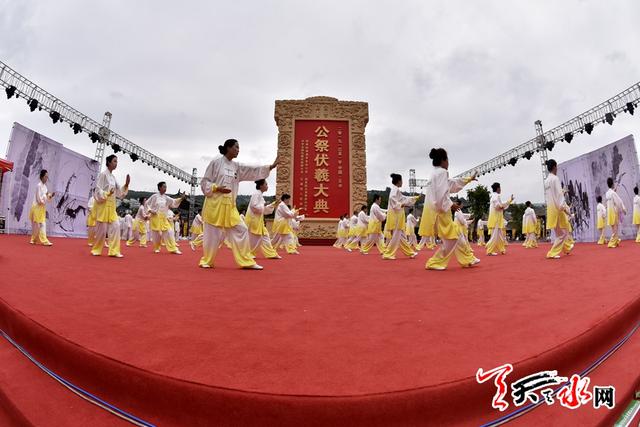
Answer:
(568, 137)
(528, 154)
(55, 116)
(630, 108)
(609, 118)
(11, 90)
(77, 128)
(133, 156)
(33, 104)
(549, 145)
(513, 161)
(115, 148)
(94, 137)
(588, 128)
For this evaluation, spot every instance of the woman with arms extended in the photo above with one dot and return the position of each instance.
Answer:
(38, 212)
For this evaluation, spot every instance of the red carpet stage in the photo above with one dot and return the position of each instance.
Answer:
(324, 338)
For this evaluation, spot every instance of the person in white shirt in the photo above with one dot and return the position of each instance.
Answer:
(258, 234)
(159, 206)
(463, 221)
(91, 221)
(453, 240)
(139, 227)
(128, 226)
(281, 228)
(426, 231)
(374, 229)
(529, 227)
(480, 231)
(601, 220)
(498, 241)
(38, 211)
(361, 221)
(220, 214)
(106, 191)
(340, 236)
(354, 232)
(615, 207)
(557, 211)
(396, 221)
(196, 232)
(410, 231)
(636, 212)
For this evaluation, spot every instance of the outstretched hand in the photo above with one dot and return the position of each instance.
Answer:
(275, 162)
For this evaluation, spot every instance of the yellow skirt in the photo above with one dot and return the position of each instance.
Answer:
(528, 227)
(196, 229)
(557, 218)
(427, 223)
(38, 214)
(220, 210)
(281, 226)
(636, 217)
(496, 220)
(255, 224)
(600, 224)
(395, 221)
(106, 211)
(445, 227)
(159, 222)
(374, 227)
(612, 216)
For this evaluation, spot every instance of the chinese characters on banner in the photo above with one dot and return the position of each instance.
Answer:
(321, 180)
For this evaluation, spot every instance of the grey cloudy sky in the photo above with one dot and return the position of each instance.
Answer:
(180, 77)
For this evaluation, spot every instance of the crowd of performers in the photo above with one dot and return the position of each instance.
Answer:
(220, 223)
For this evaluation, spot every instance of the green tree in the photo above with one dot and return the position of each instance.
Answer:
(478, 202)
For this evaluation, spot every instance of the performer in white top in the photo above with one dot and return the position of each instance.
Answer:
(438, 197)
(359, 227)
(159, 206)
(196, 232)
(258, 234)
(128, 226)
(426, 230)
(340, 237)
(38, 212)
(91, 220)
(354, 232)
(463, 221)
(636, 212)
(410, 231)
(480, 231)
(498, 241)
(374, 230)
(601, 220)
(295, 226)
(557, 211)
(105, 193)
(615, 207)
(139, 227)
(220, 214)
(395, 224)
(281, 228)
(529, 221)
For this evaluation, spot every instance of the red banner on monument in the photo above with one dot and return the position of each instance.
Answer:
(321, 179)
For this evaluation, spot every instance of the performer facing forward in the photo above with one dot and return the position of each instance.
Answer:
(395, 224)
(258, 234)
(615, 206)
(107, 189)
(38, 212)
(438, 197)
(158, 207)
(220, 214)
(498, 241)
(601, 213)
(140, 225)
(557, 211)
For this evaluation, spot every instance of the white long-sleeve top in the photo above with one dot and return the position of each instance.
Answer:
(363, 219)
(91, 202)
(105, 183)
(353, 222)
(636, 204)
(529, 216)
(377, 213)
(161, 203)
(128, 219)
(553, 193)
(481, 224)
(614, 201)
(601, 211)
(142, 213)
(223, 172)
(460, 218)
(345, 223)
(397, 200)
(197, 221)
(257, 204)
(412, 222)
(41, 198)
(283, 212)
(496, 204)
(439, 187)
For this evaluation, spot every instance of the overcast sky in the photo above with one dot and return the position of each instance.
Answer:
(181, 77)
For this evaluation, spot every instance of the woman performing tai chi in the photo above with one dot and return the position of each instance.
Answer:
(38, 212)
(395, 224)
(496, 224)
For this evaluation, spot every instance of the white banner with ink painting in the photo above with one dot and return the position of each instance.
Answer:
(71, 176)
(585, 178)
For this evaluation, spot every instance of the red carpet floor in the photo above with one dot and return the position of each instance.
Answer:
(322, 338)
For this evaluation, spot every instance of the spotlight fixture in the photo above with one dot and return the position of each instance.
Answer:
(134, 157)
(568, 137)
(33, 104)
(94, 137)
(549, 145)
(528, 155)
(11, 90)
(115, 148)
(513, 161)
(609, 118)
(630, 108)
(55, 116)
(77, 128)
(588, 128)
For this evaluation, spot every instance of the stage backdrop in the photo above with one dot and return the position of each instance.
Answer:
(71, 177)
(585, 178)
